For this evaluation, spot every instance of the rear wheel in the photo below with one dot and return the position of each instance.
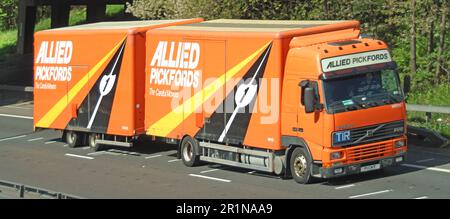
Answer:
(74, 139)
(189, 149)
(300, 165)
(94, 144)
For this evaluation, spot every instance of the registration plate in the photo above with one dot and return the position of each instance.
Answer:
(370, 167)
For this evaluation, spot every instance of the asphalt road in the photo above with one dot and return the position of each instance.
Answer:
(149, 170)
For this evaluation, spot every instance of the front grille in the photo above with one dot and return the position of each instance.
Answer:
(369, 152)
(374, 133)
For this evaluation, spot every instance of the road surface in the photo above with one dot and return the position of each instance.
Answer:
(149, 170)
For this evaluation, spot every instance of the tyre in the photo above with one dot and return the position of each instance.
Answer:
(94, 144)
(188, 151)
(74, 139)
(300, 166)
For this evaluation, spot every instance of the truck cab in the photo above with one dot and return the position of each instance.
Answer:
(343, 107)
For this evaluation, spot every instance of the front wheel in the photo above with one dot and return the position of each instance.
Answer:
(300, 165)
(189, 152)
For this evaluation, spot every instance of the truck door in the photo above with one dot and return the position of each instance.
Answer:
(311, 124)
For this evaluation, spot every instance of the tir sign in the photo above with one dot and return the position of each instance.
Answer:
(341, 137)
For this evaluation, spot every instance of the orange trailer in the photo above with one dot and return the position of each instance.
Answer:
(296, 98)
(89, 80)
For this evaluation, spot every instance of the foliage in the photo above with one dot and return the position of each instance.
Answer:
(8, 14)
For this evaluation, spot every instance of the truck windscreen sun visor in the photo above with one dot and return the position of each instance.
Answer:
(360, 63)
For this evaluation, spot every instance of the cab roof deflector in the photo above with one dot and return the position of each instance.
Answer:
(324, 34)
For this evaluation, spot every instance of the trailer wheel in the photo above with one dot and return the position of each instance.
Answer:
(300, 165)
(189, 149)
(94, 144)
(73, 139)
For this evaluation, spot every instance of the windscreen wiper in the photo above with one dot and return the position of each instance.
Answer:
(358, 103)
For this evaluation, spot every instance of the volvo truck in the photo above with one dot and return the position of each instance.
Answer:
(307, 99)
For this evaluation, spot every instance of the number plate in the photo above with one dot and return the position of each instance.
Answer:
(370, 167)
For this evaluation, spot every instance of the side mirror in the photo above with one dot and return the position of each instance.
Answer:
(309, 99)
(406, 84)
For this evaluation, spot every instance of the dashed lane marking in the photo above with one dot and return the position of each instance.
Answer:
(50, 142)
(174, 160)
(424, 160)
(426, 168)
(154, 156)
(370, 194)
(12, 138)
(211, 178)
(16, 116)
(212, 170)
(79, 156)
(345, 187)
(35, 139)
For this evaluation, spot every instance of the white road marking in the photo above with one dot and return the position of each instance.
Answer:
(102, 153)
(79, 156)
(150, 157)
(211, 178)
(425, 160)
(65, 145)
(96, 153)
(121, 152)
(423, 197)
(12, 138)
(17, 107)
(426, 168)
(170, 161)
(252, 172)
(344, 187)
(208, 171)
(24, 103)
(50, 142)
(369, 194)
(35, 139)
(16, 116)
(84, 148)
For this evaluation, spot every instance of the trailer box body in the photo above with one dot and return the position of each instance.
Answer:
(89, 78)
(220, 80)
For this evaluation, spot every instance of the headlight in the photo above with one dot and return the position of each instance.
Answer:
(336, 155)
(399, 143)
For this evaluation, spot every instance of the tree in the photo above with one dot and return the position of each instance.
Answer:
(440, 57)
(8, 14)
(413, 60)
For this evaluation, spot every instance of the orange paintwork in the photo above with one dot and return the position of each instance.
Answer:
(295, 56)
(58, 100)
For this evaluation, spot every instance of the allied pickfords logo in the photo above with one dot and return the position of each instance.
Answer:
(355, 60)
(176, 64)
(52, 63)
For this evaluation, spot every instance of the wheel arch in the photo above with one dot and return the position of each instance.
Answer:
(291, 143)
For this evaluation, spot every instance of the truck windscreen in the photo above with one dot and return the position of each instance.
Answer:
(362, 91)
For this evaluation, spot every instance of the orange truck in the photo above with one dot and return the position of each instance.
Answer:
(295, 98)
(307, 99)
(88, 81)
